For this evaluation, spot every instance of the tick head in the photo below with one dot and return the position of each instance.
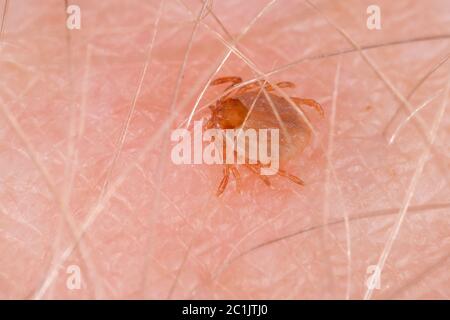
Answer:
(212, 121)
(229, 114)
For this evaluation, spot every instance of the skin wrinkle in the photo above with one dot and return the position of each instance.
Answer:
(427, 272)
(413, 114)
(161, 163)
(59, 199)
(365, 215)
(2, 23)
(66, 194)
(413, 90)
(331, 170)
(372, 64)
(201, 246)
(130, 114)
(412, 188)
(49, 180)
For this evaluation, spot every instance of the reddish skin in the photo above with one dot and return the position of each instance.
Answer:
(190, 244)
(232, 112)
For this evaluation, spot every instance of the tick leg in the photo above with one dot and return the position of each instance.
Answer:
(223, 184)
(284, 173)
(282, 84)
(268, 87)
(234, 81)
(310, 103)
(256, 169)
(247, 87)
(237, 176)
(291, 177)
(221, 80)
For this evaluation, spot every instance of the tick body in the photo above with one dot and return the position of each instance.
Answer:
(251, 107)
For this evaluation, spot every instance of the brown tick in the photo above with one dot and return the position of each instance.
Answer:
(248, 107)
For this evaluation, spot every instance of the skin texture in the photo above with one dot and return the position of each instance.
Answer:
(86, 179)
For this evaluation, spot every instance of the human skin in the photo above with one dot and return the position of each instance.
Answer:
(87, 182)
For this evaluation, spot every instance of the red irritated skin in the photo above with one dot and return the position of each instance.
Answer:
(91, 205)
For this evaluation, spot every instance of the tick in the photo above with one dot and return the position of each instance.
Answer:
(251, 107)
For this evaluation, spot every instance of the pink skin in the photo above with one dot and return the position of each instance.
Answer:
(156, 229)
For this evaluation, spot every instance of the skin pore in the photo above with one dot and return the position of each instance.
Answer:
(87, 185)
